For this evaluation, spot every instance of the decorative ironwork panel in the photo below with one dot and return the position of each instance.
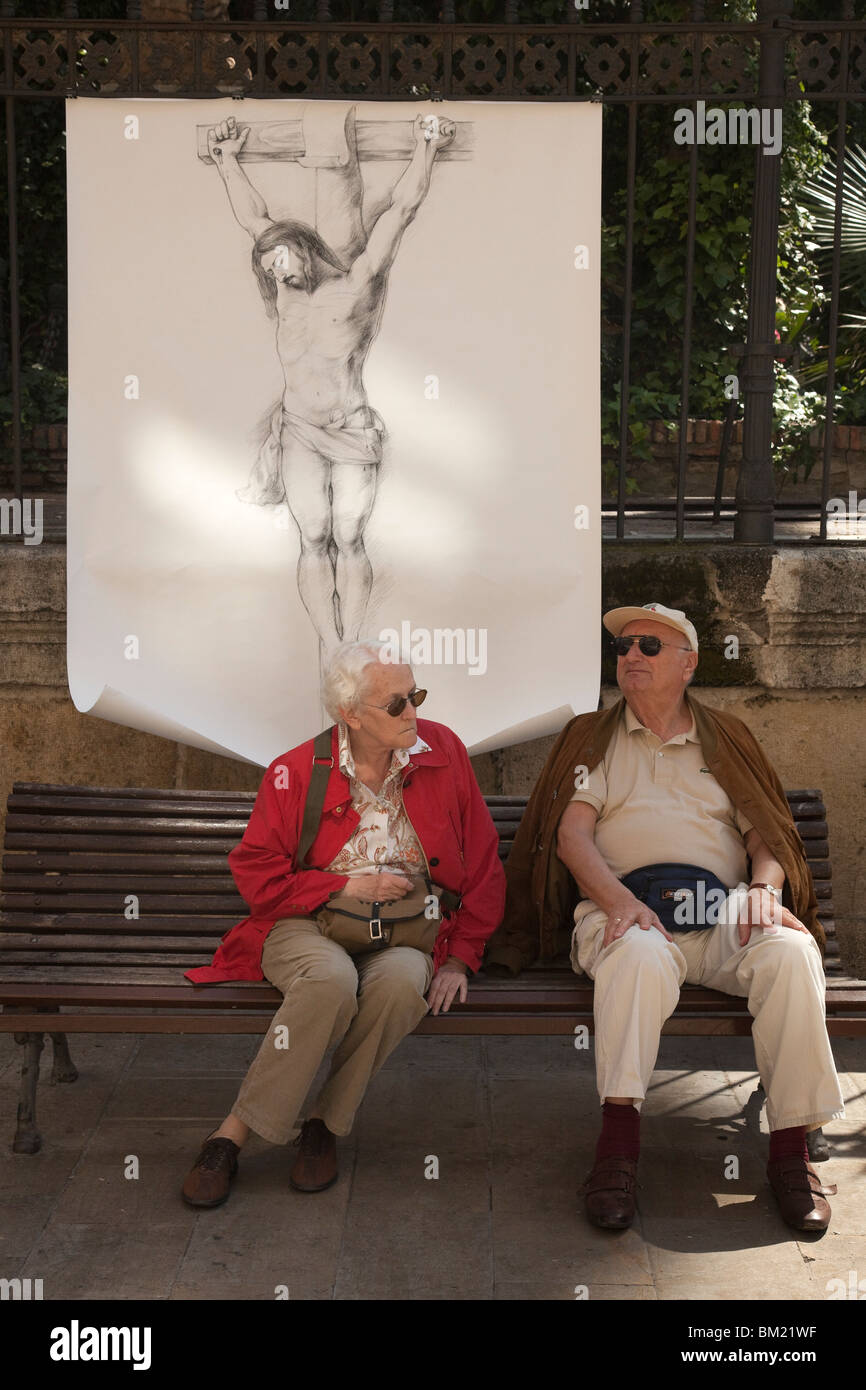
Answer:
(291, 63)
(730, 66)
(166, 65)
(478, 65)
(666, 64)
(605, 66)
(417, 60)
(228, 62)
(40, 60)
(541, 66)
(355, 65)
(103, 62)
(816, 62)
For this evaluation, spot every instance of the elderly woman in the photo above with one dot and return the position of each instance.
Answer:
(401, 803)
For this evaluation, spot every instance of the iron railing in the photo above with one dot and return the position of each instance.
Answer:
(635, 65)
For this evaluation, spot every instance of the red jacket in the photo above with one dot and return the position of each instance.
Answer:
(447, 811)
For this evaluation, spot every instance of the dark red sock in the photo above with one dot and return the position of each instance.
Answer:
(789, 1143)
(620, 1132)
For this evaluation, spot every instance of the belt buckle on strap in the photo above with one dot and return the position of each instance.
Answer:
(376, 933)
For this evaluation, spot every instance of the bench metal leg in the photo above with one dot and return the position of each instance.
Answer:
(63, 1068)
(27, 1139)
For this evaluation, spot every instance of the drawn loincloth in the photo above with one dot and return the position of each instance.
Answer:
(354, 438)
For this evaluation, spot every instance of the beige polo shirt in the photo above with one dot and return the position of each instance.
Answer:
(658, 803)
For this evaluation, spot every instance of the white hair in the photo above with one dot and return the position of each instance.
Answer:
(344, 681)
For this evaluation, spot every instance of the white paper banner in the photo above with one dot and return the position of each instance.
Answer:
(448, 294)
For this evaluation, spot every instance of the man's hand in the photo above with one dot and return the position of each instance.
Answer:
(448, 982)
(761, 909)
(434, 131)
(223, 139)
(377, 888)
(628, 912)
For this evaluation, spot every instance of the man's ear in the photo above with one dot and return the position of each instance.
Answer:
(352, 720)
(690, 667)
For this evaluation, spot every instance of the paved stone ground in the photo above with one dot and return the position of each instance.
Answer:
(512, 1122)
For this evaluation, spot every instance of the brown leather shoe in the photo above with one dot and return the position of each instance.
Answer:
(800, 1194)
(315, 1167)
(207, 1182)
(609, 1193)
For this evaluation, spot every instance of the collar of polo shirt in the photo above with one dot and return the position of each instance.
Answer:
(632, 723)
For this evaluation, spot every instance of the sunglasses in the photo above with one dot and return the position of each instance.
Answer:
(650, 646)
(396, 706)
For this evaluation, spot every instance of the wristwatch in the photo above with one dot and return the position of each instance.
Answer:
(776, 892)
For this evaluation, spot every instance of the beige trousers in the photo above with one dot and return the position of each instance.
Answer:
(637, 985)
(363, 1005)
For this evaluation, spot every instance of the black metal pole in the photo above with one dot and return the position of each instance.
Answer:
(14, 316)
(755, 484)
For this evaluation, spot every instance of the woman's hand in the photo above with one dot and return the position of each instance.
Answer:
(447, 983)
(377, 888)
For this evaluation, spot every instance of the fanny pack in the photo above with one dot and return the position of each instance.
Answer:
(360, 926)
(684, 897)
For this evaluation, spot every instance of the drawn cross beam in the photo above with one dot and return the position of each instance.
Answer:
(321, 139)
(330, 142)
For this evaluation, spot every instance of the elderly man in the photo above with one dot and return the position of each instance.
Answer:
(626, 791)
(398, 805)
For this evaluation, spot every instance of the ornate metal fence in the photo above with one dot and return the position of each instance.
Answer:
(638, 65)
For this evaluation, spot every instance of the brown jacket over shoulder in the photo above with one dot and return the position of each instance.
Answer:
(542, 895)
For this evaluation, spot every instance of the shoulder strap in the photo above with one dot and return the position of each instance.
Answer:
(322, 765)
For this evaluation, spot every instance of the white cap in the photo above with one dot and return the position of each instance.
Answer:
(618, 618)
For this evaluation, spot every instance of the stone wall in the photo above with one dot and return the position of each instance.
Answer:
(783, 635)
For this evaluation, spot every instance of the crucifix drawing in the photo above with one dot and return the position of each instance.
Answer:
(321, 443)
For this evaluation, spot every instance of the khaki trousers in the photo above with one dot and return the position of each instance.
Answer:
(637, 985)
(364, 1005)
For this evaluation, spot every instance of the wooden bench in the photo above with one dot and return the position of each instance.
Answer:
(81, 862)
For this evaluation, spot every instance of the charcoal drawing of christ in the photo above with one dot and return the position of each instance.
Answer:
(321, 443)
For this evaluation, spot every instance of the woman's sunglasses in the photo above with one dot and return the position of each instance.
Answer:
(650, 646)
(399, 703)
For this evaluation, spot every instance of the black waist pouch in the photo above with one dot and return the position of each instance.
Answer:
(684, 897)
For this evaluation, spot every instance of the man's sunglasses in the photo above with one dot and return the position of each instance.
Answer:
(399, 703)
(650, 646)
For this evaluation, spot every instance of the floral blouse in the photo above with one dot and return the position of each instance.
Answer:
(384, 837)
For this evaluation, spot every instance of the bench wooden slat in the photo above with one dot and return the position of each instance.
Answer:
(129, 825)
(77, 862)
(150, 904)
(134, 793)
(132, 807)
(88, 921)
(83, 960)
(82, 941)
(122, 883)
(186, 844)
(119, 987)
